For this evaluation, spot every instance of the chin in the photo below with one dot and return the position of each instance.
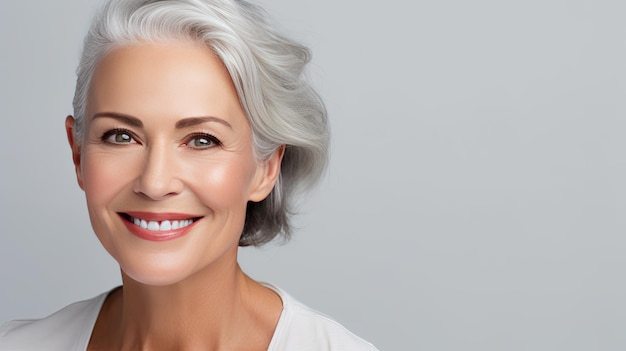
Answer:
(155, 278)
(156, 271)
(152, 280)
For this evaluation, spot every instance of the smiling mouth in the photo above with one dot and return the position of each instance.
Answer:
(156, 226)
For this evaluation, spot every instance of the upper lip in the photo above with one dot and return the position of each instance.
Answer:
(160, 216)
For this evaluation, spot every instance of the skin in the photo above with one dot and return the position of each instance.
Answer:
(187, 293)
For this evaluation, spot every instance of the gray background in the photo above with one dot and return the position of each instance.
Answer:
(476, 192)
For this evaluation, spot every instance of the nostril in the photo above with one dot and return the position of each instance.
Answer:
(158, 190)
(159, 175)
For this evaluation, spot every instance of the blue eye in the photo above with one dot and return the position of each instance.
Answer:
(118, 136)
(202, 141)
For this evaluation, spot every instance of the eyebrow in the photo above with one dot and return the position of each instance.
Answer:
(183, 123)
(130, 120)
(194, 121)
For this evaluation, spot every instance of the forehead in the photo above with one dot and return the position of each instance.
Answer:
(174, 79)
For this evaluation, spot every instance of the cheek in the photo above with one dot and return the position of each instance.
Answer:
(105, 177)
(105, 174)
(223, 184)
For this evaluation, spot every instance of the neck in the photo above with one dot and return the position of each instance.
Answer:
(219, 309)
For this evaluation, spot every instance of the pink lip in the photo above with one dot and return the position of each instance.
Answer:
(158, 235)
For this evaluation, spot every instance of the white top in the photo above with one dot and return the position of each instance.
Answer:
(299, 328)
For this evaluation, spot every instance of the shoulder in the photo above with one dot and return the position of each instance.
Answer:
(302, 328)
(67, 329)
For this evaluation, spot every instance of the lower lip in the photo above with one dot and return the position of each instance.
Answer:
(153, 235)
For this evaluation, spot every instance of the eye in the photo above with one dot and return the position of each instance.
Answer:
(118, 136)
(202, 141)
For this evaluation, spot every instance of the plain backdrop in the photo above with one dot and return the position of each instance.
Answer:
(476, 194)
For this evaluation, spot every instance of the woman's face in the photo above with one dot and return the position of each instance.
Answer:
(167, 162)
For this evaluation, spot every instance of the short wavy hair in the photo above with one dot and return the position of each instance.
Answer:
(267, 70)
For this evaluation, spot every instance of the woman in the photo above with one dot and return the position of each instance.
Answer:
(193, 129)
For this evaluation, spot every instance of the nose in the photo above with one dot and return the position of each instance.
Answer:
(158, 179)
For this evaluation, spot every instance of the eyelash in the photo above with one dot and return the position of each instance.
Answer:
(195, 136)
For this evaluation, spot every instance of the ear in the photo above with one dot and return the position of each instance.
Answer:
(267, 175)
(69, 129)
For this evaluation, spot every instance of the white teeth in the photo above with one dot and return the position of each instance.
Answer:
(152, 225)
(165, 225)
(162, 226)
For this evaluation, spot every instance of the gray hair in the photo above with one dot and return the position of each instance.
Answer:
(267, 70)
